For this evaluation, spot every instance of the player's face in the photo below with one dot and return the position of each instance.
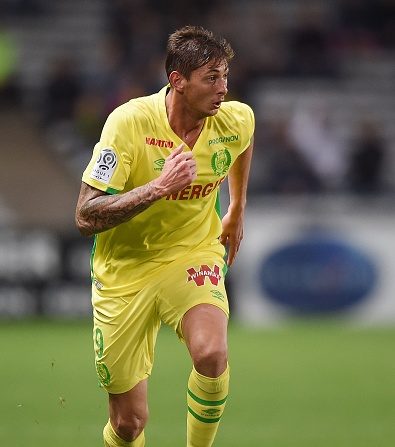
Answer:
(206, 89)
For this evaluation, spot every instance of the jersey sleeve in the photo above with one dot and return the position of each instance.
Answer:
(109, 167)
(247, 122)
(242, 117)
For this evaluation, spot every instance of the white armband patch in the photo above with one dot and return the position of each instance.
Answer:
(105, 166)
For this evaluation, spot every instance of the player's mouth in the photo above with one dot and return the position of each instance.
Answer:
(217, 104)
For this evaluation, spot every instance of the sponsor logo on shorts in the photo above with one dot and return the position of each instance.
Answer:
(217, 294)
(105, 166)
(220, 161)
(199, 277)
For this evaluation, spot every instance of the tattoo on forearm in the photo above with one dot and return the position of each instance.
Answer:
(105, 212)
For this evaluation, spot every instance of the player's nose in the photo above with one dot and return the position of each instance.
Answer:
(223, 87)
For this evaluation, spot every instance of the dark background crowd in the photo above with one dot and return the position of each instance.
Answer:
(301, 65)
(319, 75)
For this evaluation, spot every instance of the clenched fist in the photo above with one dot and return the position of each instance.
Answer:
(178, 172)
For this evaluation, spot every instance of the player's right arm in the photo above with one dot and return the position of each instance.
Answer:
(98, 211)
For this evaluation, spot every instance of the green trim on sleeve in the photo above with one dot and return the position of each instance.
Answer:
(93, 255)
(111, 191)
(218, 210)
(218, 205)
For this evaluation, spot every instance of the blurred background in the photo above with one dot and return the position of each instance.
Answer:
(320, 77)
(319, 240)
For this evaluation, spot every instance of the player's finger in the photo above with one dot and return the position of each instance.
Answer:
(223, 239)
(178, 150)
(184, 164)
(191, 163)
(184, 156)
(193, 177)
(232, 250)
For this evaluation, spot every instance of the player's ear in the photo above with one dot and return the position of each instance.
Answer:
(177, 81)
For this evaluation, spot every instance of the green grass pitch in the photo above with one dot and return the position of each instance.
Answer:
(311, 384)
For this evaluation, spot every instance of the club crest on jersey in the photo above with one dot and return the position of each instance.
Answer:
(105, 166)
(220, 161)
(199, 277)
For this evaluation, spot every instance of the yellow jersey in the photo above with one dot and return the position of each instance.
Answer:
(135, 141)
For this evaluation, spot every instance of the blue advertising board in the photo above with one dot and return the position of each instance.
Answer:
(317, 273)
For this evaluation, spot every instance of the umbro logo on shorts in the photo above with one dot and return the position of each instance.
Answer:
(199, 277)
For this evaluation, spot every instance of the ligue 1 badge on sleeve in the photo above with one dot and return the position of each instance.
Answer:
(105, 165)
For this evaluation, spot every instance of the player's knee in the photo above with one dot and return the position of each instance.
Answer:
(211, 361)
(129, 428)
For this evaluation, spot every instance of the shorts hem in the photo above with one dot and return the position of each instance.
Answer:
(179, 328)
(125, 388)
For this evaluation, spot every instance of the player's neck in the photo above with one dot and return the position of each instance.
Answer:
(182, 120)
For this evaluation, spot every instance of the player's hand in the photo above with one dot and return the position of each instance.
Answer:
(232, 234)
(178, 171)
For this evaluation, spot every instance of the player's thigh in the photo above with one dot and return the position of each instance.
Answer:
(190, 282)
(125, 331)
(204, 328)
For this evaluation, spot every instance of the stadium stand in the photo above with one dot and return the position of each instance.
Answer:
(293, 57)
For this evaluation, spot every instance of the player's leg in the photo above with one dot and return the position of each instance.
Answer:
(128, 416)
(204, 328)
(193, 302)
(125, 331)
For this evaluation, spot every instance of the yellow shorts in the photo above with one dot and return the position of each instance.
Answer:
(125, 328)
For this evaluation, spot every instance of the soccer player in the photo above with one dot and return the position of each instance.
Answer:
(150, 197)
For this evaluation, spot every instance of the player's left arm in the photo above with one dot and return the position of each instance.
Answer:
(233, 221)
